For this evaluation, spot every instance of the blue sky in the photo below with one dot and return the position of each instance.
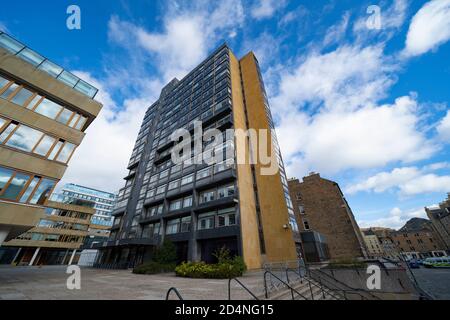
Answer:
(365, 107)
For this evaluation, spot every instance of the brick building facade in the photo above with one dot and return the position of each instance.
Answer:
(320, 205)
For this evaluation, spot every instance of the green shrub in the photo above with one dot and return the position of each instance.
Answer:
(154, 268)
(166, 254)
(231, 269)
(164, 260)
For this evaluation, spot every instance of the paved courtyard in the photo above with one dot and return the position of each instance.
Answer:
(434, 281)
(49, 283)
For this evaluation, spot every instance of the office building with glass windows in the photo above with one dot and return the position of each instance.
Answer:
(202, 207)
(44, 112)
(101, 221)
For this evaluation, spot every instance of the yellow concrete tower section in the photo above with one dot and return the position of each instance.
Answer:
(16, 216)
(249, 112)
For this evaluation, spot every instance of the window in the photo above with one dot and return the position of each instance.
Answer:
(187, 202)
(227, 191)
(176, 205)
(207, 196)
(22, 96)
(44, 146)
(29, 190)
(161, 189)
(5, 176)
(306, 224)
(175, 169)
(172, 226)
(164, 174)
(43, 191)
(66, 152)
(12, 87)
(206, 221)
(24, 138)
(15, 187)
(205, 173)
(65, 116)
(226, 217)
(156, 229)
(185, 224)
(174, 184)
(48, 108)
(187, 179)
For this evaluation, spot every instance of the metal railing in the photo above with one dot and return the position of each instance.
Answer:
(338, 286)
(283, 282)
(175, 290)
(242, 285)
(323, 289)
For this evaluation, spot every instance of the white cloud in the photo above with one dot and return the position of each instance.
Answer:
(336, 32)
(346, 78)
(395, 219)
(101, 159)
(444, 128)
(188, 34)
(266, 8)
(429, 28)
(369, 137)
(408, 181)
(392, 18)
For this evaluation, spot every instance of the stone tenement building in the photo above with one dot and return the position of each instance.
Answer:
(417, 244)
(320, 206)
(440, 218)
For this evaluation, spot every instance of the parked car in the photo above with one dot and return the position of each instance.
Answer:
(442, 262)
(414, 264)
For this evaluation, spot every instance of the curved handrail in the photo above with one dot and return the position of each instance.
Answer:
(324, 290)
(242, 285)
(176, 292)
(283, 282)
(348, 288)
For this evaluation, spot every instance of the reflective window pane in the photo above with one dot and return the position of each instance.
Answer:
(2, 122)
(21, 97)
(5, 175)
(68, 78)
(86, 88)
(55, 150)
(48, 108)
(31, 56)
(30, 189)
(10, 44)
(74, 120)
(51, 68)
(3, 82)
(16, 186)
(81, 123)
(65, 116)
(44, 146)
(24, 138)
(7, 132)
(33, 102)
(8, 91)
(42, 192)
(66, 152)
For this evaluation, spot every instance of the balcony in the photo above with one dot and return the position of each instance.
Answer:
(43, 64)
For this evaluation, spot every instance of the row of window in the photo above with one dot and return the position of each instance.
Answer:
(21, 137)
(33, 236)
(68, 214)
(209, 220)
(33, 101)
(23, 187)
(62, 225)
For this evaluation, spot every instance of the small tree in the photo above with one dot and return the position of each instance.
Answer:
(222, 255)
(166, 254)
